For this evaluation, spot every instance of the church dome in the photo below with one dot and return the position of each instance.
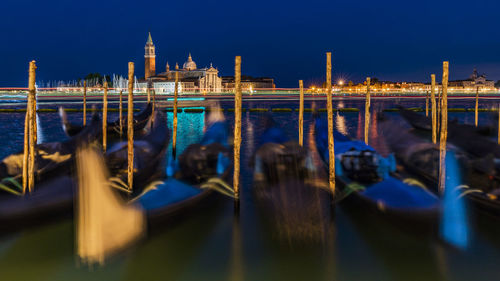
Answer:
(190, 64)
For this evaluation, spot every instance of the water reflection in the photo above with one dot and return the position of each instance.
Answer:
(351, 247)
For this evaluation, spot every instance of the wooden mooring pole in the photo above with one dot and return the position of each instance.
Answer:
(499, 124)
(433, 109)
(105, 116)
(174, 133)
(84, 102)
(29, 145)
(477, 106)
(329, 106)
(120, 113)
(237, 126)
(35, 129)
(154, 108)
(301, 113)
(367, 109)
(444, 128)
(426, 103)
(130, 125)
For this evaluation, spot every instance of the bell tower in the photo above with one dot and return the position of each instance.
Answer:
(149, 58)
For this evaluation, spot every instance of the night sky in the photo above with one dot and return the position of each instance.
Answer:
(287, 40)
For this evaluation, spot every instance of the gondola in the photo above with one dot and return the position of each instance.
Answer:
(200, 170)
(420, 157)
(53, 196)
(51, 159)
(113, 129)
(370, 181)
(278, 157)
(292, 200)
(424, 123)
(466, 137)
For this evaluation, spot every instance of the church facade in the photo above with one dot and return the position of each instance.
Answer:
(475, 81)
(191, 78)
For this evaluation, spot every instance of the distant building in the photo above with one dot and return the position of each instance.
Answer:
(149, 58)
(191, 78)
(474, 81)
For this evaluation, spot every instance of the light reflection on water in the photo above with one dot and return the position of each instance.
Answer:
(212, 245)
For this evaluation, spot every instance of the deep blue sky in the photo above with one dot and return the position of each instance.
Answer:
(391, 40)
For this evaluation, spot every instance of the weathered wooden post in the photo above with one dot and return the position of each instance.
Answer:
(426, 103)
(35, 129)
(174, 133)
(148, 93)
(499, 124)
(120, 112)
(301, 113)
(84, 102)
(105, 115)
(130, 126)
(28, 160)
(367, 109)
(477, 106)
(154, 108)
(331, 147)
(444, 129)
(433, 105)
(29, 141)
(237, 126)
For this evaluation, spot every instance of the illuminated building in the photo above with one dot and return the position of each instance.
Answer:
(191, 78)
(474, 81)
(149, 58)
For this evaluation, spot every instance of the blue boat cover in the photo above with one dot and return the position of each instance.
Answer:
(168, 193)
(391, 191)
(173, 191)
(396, 194)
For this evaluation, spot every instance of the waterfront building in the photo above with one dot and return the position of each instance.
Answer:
(474, 81)
(191, 78)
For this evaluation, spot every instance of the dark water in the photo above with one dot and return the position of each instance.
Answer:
(214, 245)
